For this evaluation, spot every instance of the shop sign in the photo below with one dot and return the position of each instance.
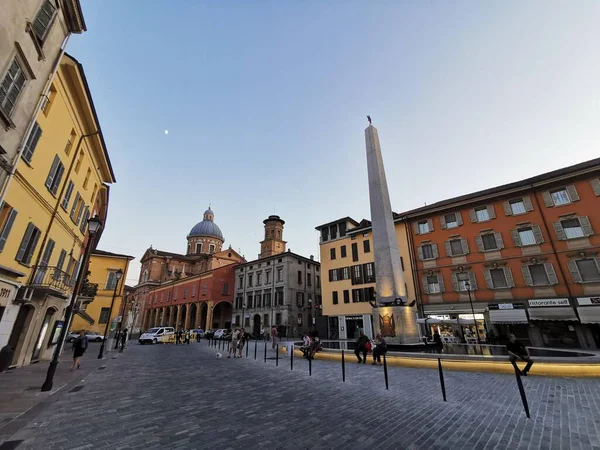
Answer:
(470, 316)
(549, 302)
(7, 292)
(442, 317)
(354, 317)
(505, 306)
(588, 301)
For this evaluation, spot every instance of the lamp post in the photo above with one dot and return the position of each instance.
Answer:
(118, 275)
(468, 286)
(118, 331)
(94, 226)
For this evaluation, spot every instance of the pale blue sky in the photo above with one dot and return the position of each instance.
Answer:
(265, 103)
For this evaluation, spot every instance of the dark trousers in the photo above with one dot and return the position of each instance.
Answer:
(177, 340)
(358, 351)
(513, 361)
(377, 353)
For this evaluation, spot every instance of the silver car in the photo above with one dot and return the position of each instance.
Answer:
(91, 335)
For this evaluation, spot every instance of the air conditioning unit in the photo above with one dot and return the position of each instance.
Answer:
(24, 295)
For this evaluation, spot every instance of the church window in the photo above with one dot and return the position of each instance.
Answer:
(199, 247)
(211, 248)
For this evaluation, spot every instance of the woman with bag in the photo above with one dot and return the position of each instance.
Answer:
(379, 350)
(79, 347)
(361, 347)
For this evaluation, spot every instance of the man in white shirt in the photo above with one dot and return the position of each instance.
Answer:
(235, 337)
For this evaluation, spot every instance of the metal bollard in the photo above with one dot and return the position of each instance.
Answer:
(310, 367)
(385, 374)
(442, 383)
(277, 356)
(523, 395)
(292, 359)
(265, 351)
(255, 345)
(343, 368)
(247, 345)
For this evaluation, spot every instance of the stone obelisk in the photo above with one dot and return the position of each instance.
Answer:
(398, 324)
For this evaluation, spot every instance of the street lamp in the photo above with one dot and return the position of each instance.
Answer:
(118, 275)
(94, 227)
(468, 286)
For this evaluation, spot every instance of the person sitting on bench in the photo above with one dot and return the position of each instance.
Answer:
(516, 350)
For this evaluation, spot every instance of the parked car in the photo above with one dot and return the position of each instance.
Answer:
(209, 334)
(91, 335)
(219, 334)
(156, 335)
(198, 332)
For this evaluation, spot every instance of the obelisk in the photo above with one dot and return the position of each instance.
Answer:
(398, 324)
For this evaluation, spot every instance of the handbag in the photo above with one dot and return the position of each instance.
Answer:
(368, 347)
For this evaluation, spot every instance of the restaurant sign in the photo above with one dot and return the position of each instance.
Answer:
(549, 302)
(585, 301)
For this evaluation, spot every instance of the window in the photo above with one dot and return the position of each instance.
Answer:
(428, 251)
(241, 281)
(369, 271)
(424, 227)
(198, 247)
(482, 214)
(300, 299)
(585, 270)
(278, 319)
(61, 259)
(560, 197)
(433, 284)
(539, 275)
(10, 88)
(111, 281)
(94, 193)
(572, 228)
(366, 246)
(32, 140)
(204, 289)
(279, 274)
(334, 295)
(28, 244)
(55, 176)
(84, 220)
(7, 219)
(357, 274)
(299, 277)
(355, 252)
(250, 280)
(454, 247)
(104, 315)
(318, 280)
(43, 21)
(450, 221)
(333, 274)
(526, 236)
(211, 248)
(308, 279)
(333, 231)
(87, 178)
(462, 279)
(343, 251)
(346, 296)
(79, 212)
(530, 235)
(357, 295)
(499, 278)
(175, 293)
(517, 207)
(267, 277)
(194, 290)
(332, 253)
(258, 278)
(267, 297)
(249, 301)
(79, 162)
(489, 241)
(67, 197)
(345, 273)
(257, 299)
(595, 182)
(246, 321)
(75, 205)
(279, 296)
(69, 144)
(324, 234)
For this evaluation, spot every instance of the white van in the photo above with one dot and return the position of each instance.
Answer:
(156, 335)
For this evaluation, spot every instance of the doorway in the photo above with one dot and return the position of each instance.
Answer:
(256, 328)
(37, 350)
(19, 331)
(353, 328)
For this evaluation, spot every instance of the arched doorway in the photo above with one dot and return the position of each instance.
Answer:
(257, 325)
(203, 314)
(222, 315)
(19, 331)
(37, 349)
(193, 312)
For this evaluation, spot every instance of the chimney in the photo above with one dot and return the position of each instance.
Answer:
(312, 257)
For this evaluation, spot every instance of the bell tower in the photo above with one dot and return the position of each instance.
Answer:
(273, 244)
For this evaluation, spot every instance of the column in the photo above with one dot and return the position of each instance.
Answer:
(198, 315)
(209, 314)
(188, 314)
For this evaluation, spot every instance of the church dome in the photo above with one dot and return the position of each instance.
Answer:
(207, 227)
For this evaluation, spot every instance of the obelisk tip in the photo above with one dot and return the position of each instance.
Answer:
(369, 119)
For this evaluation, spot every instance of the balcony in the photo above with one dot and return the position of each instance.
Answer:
(53, 281)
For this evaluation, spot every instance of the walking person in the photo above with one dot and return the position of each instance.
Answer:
(517, 350)
(235, 336)
(79, 347)
(361, 347)
(379, 350)
(123, 339)
(274, 335)
(187, 337)
(241, 342)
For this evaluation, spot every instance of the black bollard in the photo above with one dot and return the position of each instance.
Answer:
(310, 366)
(385, 375)
(277, 356)
(442, 383)
(247, 345)
(343, 368)
(292, 359)
(522, 392)
(255, 345)
(265, 351)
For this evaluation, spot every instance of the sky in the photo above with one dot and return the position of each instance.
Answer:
(266, 102)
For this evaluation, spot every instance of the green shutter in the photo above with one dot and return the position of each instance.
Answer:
(10, 220)
(527, 275)
(552, 278)
(586, 226)
(499, 240)
(527, 203)
(537, 234)
(572, 191)
(507, 208)
(25, 242)
(547, 199)
(572, 265)
(560, 233)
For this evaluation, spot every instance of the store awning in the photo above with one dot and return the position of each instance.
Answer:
(552, 313)
(431, 321)
(508, 316)
(454, 308)
(589, 314)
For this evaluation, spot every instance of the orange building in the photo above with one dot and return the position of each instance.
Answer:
(527, 253)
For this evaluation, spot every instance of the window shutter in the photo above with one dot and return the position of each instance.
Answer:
(527, 203)
(499, 240)
(547, 199)
(53, 170)
(448, 248)
(441, 283)
(331, 274)
(454, 281)
(459, 220)
(425, 285)
(61, 260)
(516, 238)
(537, 234)
(597, 261)
(507, 208)
(34, 241)
(596, 185)
(473, 215)
(509, 277)
(491, 211)
(551, 273)
(488, 279)
(572, 191)
(479, 242)
(416, 227)
(419, 251)
(32, 142)
(58, 178)
(7, 227)
(430, 225)
(47, 253)
(574, 271)
(465, 245)
(527, 275)
(24, 242)
(74, 208)
(443, 222)
(473, 281)
(586, 226)
(560, 233)
(434, 250)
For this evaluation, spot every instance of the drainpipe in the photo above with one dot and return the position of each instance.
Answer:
(36, 113)
(58, 201)
(414, 271)
(554, 252)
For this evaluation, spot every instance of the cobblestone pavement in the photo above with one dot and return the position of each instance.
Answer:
(182, 397)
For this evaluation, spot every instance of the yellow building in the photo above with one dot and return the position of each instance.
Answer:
(59, 183)
(102, 269)
(348, 275)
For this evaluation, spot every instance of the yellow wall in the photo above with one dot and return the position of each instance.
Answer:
(100, 266)
(327, 287)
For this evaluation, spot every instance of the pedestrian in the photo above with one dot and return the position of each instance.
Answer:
(197, 335)
(437, 339)
(235, 336)
(179, 336)
(123, 338)
(517, 350)
(241, 342)
(379, 350)
(79, 347)
(361, 347)
(187, 337)
(274, 335)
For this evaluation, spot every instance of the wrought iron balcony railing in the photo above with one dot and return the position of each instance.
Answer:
(88, 290)
(53, 279)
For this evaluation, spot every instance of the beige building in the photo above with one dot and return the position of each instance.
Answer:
(348, 269)
(33, 37)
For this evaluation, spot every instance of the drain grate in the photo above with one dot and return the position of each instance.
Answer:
(75, 389)
(10, 445)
